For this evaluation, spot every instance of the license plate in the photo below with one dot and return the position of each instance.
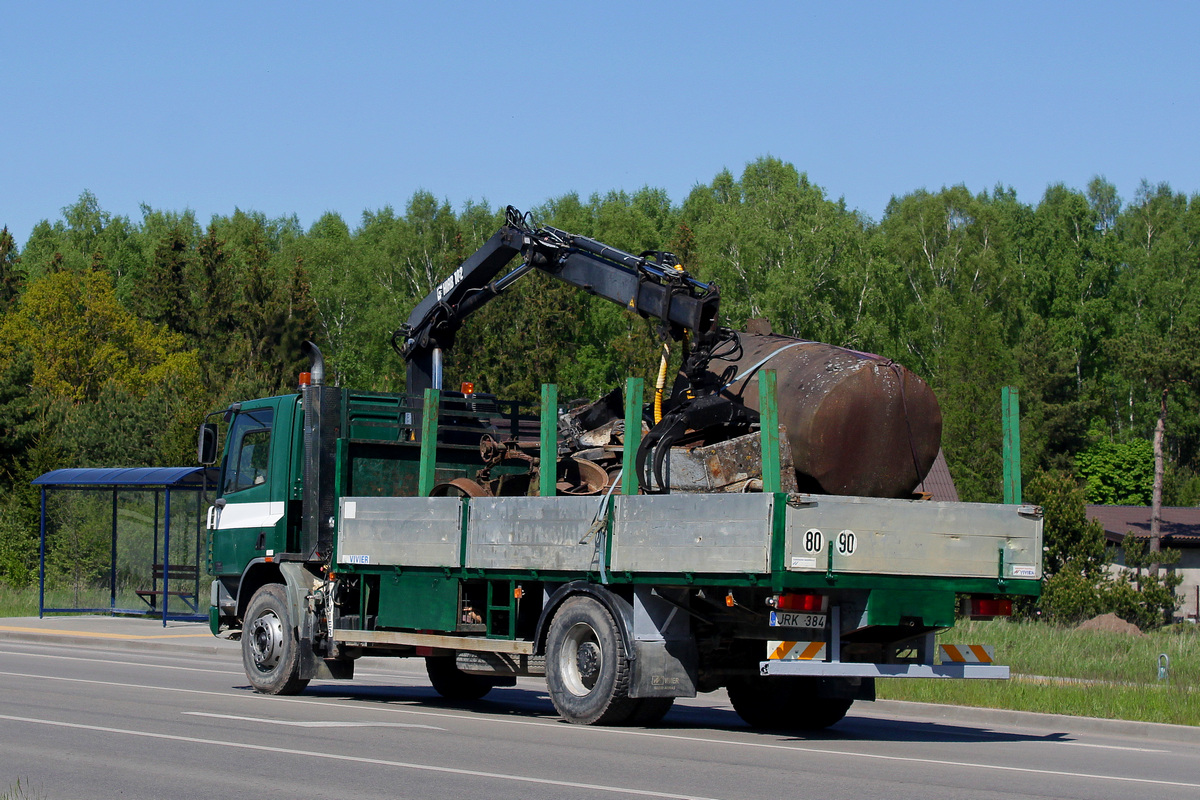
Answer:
(796, 619)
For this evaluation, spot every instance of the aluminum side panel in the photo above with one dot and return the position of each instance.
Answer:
(910, 537)
(692, 533)
(413, 531)
(546, 533)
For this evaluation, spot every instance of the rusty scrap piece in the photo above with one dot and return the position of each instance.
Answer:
(460, 487)
(734, 465)
(578, 476)
(494, 453)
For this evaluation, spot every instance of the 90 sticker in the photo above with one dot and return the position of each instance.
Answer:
(847, 543)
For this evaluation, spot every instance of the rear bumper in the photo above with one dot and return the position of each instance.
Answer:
(854, 670)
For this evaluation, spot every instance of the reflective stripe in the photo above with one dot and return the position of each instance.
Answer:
(796, 651)
(250, 515)
(967, 653)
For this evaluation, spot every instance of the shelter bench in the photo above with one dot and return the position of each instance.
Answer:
(175, 572)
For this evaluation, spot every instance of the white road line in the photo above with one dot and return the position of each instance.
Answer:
(1039, 742)
(1109, 747)
(126, 663)
(390, 678)
(313, 723)
(360, 760)
(587, 729)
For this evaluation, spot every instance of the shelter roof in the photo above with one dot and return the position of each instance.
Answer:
(938, 482)
(174, 477)
(1180, 525)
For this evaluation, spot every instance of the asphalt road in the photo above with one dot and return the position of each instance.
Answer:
(100, 719)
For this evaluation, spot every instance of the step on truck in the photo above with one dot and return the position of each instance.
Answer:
(629, 552)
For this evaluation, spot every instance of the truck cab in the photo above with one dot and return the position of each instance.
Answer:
(249, 525)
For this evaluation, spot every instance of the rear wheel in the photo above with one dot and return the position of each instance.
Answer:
(270, 649)
(452, 683)
(775, 703)
(586, 669)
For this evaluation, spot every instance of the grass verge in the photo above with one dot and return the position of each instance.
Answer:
(23, 602)
(1079, 673)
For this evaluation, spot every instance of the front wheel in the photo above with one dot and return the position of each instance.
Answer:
(270, 649)
(586, 669)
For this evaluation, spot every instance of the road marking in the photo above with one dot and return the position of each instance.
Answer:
(474, 773)
(1110, 747)
(125, 663)
(587, 729)
(90, 635)
(314, 723)
(1039, 742)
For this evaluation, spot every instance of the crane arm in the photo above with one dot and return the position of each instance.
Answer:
(653, 284)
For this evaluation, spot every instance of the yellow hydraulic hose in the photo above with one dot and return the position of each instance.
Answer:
(661, 383)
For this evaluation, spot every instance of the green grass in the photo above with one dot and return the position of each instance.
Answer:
(1106, 674)
(23, 602)
(20, 791)
(18, 603)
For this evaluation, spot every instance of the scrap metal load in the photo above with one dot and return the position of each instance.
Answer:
(856, 423)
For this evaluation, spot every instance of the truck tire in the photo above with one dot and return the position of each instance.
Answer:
(775, 703)
(270, 649)
(586, 669)
(452, 683)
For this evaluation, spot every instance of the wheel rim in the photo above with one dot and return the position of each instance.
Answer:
(266, 641)
(581, 659)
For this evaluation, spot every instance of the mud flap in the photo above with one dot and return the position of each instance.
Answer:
(664, 668)
(329, 669)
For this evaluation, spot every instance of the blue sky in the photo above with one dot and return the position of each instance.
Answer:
(302, 108)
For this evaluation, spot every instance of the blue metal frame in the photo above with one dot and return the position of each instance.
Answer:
(152, 479)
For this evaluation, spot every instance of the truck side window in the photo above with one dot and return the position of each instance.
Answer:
(250, 447)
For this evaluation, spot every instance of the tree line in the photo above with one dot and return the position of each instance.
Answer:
(118, 334)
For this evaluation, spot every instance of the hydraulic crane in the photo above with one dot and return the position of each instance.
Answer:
(654, 284)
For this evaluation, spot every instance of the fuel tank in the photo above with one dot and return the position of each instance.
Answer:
(858, 424)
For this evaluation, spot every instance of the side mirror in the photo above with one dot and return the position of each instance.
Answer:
(206, 445)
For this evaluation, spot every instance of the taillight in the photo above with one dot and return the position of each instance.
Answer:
(988, 607)
(799, 602)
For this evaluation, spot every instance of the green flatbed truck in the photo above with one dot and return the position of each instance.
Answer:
(326, 545)
(455, 528)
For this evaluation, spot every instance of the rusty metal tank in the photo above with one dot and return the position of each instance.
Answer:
(858, 424)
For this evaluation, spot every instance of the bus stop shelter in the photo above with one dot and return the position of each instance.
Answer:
(153, 521)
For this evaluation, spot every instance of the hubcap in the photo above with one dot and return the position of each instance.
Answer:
(588, 659)
(581, 659)
(266, 641)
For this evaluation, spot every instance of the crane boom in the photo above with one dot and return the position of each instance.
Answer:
(653, 284)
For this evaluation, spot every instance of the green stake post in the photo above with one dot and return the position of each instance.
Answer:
(429, 426)
(1010, 413)
(768, 413)
(633, 435)
(548, 466)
